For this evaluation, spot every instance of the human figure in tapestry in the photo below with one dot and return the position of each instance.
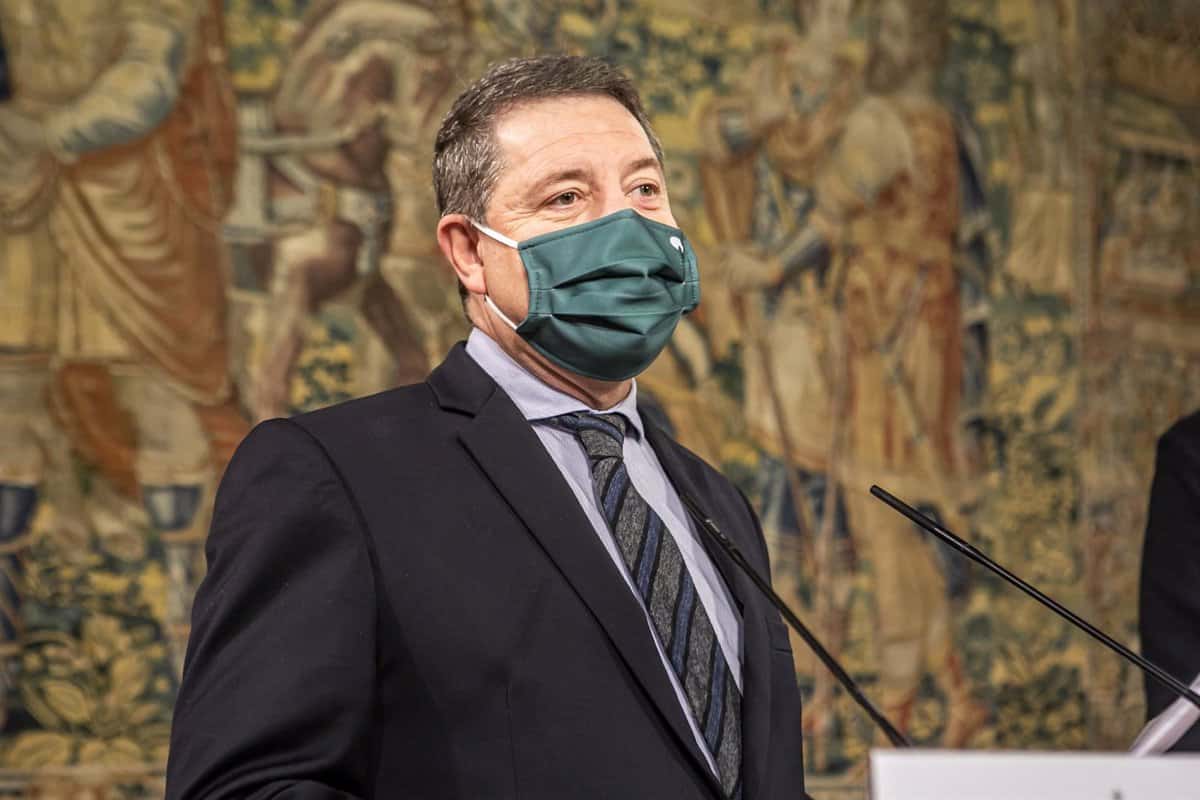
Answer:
(839, 188)
(363, 84)
(117, 152)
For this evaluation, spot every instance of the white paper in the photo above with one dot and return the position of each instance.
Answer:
(981, 775)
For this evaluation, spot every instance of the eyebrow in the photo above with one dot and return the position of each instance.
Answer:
(574, 174)
(642, 163)
(585, 175)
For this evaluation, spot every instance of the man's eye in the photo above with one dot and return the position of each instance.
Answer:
(647, 190)
(565, 199)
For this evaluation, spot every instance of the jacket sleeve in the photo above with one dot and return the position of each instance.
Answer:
(1169, 617)
(279, 681)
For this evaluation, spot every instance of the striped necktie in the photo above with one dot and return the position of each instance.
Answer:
(662, 580)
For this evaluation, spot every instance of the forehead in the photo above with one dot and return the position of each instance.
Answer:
(546, 133)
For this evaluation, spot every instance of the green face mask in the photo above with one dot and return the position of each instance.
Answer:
(604, 296)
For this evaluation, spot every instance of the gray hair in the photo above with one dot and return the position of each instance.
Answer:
(466, 160)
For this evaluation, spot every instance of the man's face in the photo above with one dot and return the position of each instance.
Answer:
(565, 161)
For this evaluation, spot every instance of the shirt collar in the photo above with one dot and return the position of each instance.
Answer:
(533, 398)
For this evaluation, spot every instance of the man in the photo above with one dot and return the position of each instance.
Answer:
(1169, 614)
(486, 585)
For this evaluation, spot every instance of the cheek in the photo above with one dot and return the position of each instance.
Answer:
(659, 210)
(507, 282)
(663, 214)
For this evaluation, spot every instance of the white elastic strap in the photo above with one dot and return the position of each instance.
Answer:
(496, 309)
(499, 237)
(502, 239)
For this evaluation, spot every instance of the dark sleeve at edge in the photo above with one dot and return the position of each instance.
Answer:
(278, 688)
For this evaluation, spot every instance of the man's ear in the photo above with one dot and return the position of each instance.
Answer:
(459, 242)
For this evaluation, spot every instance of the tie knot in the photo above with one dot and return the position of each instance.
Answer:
(602, 435)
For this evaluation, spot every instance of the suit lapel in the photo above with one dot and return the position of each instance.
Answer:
(756, 645)
(506, 448)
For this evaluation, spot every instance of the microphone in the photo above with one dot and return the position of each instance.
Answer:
(970, 551)
(1167, 728)
(706, 524)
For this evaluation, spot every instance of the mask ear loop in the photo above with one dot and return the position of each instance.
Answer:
(491, 234)
(504, 240)
(496, 310)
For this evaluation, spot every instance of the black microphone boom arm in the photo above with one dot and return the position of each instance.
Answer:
(979, 557)
(706, 524)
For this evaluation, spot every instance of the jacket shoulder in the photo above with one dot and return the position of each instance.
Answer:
(701, 471)
(415, 402)
(1186, 429)
(697, 464)
(1181, 443)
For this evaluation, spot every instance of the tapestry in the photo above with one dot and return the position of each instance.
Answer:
(947, 246)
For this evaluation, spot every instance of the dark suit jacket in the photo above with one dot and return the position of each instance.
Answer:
(1169, 617)
(405, 600)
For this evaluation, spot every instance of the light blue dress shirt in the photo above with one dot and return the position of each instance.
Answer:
(536, 401)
